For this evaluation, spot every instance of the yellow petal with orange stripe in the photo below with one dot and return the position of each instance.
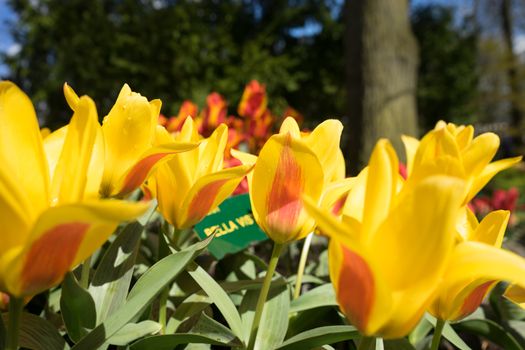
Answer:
(208, 192)
(61, 238)
(286, 170)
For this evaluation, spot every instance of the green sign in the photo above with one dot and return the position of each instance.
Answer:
(234, 225)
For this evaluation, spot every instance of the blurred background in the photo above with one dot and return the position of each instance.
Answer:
(383, 67)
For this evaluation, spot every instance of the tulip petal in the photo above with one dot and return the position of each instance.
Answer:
(479, 261)
(128, 131)
(425, 219)
(347, 232)
(70, 176)
(464, 137)
(492, 228)
(489, 172)
(21, 151)
(53, 145)
(335, 194)
(411, 246)
(71, 96)
(62, 237)
(411, 146)
(246, 159)
(356, 286)
(212, 152)
(140, 171)
(515, 294)
(285, 170)
(208, 192)
(16, 221)
(290, 126)
(324, 141)
(355, 201)
(479, 153)
(381, 185)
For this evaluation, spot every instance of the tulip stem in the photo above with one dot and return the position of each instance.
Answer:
(438, 329)
(366, 343)
(302, 264)
(16, 306)
(163, 306)
(84, 276)
(277, 248)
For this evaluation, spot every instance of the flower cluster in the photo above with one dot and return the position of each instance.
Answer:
(403, 240)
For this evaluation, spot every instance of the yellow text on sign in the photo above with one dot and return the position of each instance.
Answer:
(230, 225)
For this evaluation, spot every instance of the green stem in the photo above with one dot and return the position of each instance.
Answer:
(163, 251)
(302, 265)
(163, 306)
(366, 343)
(277, 248)
(13, 327)
(84, 276)
(438, 329)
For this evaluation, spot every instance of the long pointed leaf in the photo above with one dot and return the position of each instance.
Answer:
(320, 336)
(218, 296)
(491, 331)
(152, 282)
(112, 279)
(77, 308)
(38, 334)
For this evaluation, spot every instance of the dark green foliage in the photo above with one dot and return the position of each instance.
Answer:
(448, 80)
(177, 50)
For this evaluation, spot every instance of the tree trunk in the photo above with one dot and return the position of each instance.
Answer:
(381, 60)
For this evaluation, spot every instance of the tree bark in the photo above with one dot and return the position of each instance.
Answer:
(381, 74)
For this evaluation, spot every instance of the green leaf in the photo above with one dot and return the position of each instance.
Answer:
(420, 332)
(398, 344)
(134, 331)
(191, 306)
(219, 297)
(38, 334)
(306, 279)
(152, 282)
(77, 308)
(320, 336)
(209, 327)
(491, 331)
(206, 330)
(449, 333)
(112, 279)
(321, 296)
(274, 319)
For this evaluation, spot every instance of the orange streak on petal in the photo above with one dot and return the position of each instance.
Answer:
(51, 256)
(201, 204)
(356, 289)
(140, 170)
(284, 200)
(339, 204)
(474, 299)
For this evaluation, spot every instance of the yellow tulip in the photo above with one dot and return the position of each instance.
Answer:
(454, 150)
(389, 250)
(124, 154)
(516, 294)
(290, 165)
(191, 184)
(457, 299)
(477, 264)
(48, 226)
